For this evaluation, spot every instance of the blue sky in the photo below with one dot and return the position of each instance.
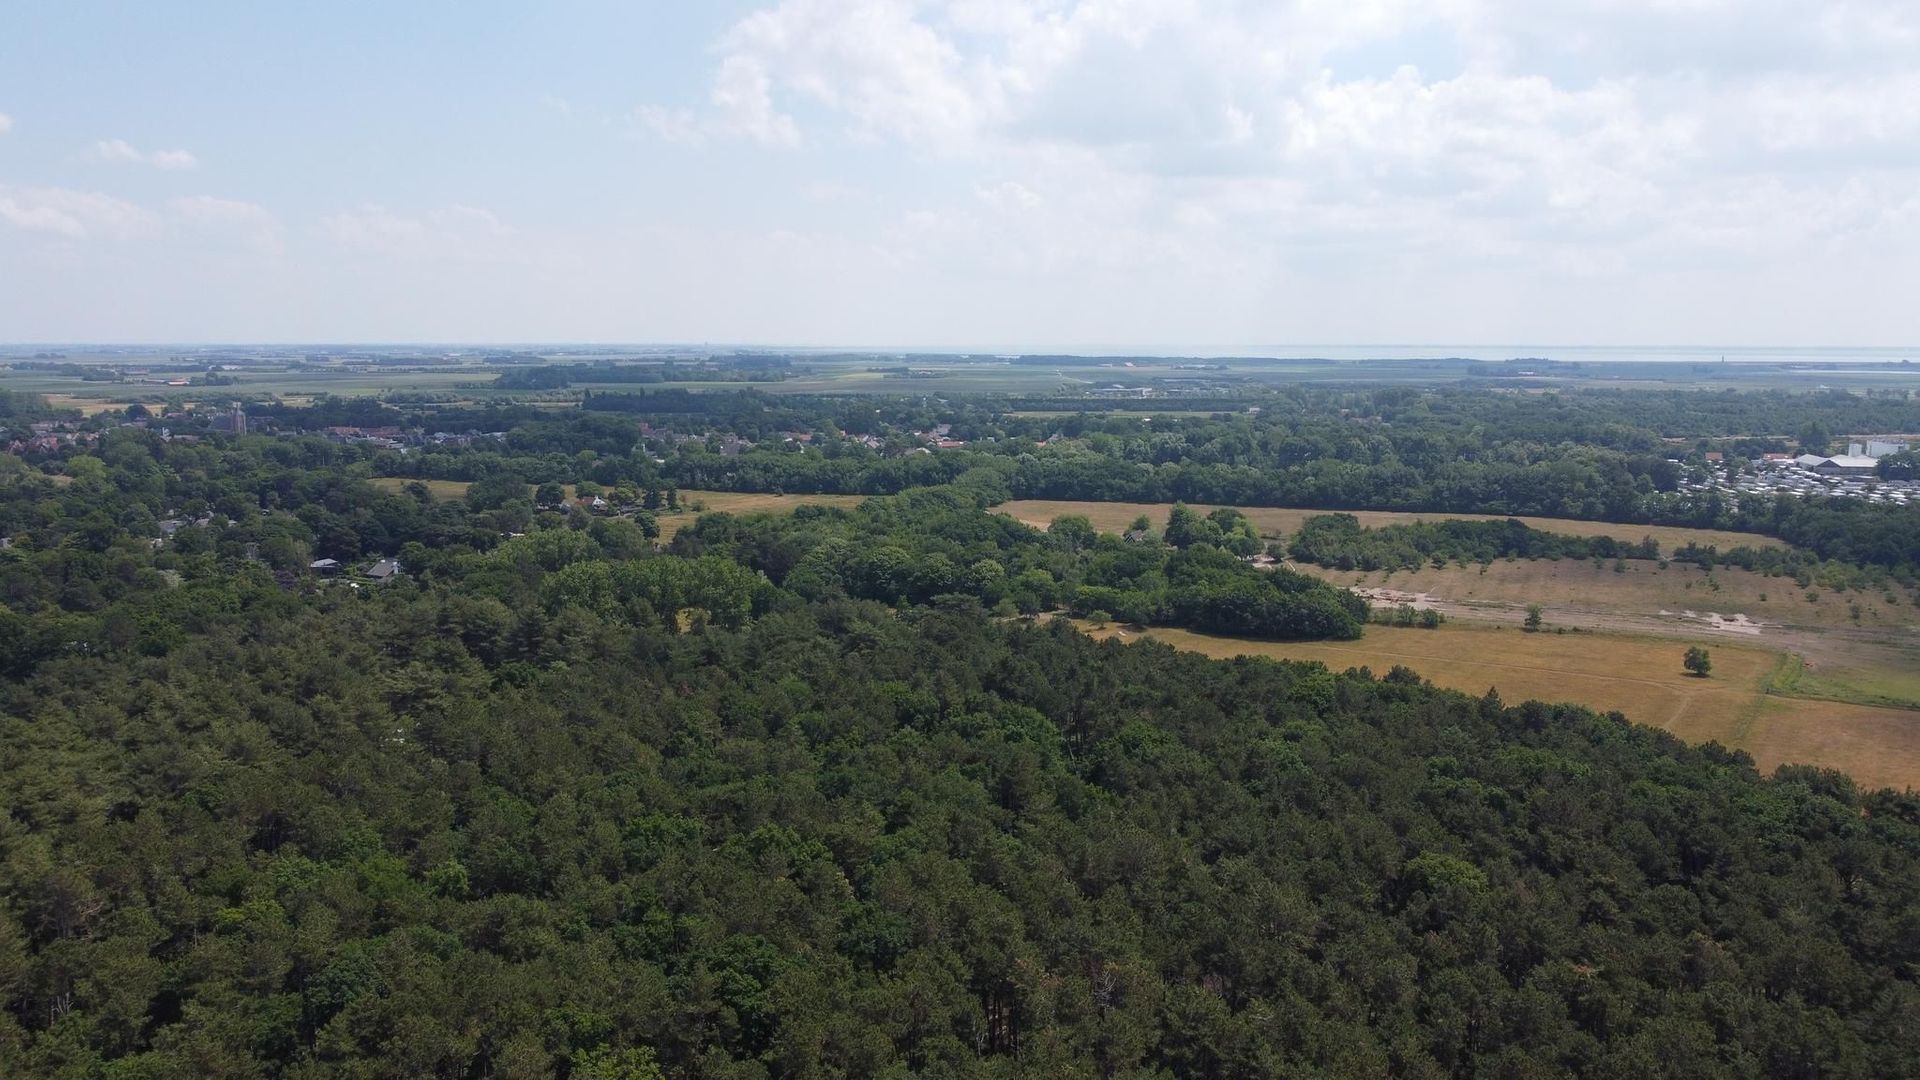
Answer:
(963, 172)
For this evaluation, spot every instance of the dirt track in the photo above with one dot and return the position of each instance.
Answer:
(1819, 646)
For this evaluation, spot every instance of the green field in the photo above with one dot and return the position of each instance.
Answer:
(1853, 680)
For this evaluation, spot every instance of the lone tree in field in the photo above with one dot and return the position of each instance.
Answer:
(1533, 618)
(1697, 661)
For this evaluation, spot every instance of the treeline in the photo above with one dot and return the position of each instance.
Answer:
(1846, 530)
(19, 408)
(1803, 567)
(1572, 482)
(1339, 541)
(1206, 589)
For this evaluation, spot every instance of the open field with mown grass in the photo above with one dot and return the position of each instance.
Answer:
(1116, 516)
(1639, 677)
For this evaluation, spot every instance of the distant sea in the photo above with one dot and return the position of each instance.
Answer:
(1675, 354)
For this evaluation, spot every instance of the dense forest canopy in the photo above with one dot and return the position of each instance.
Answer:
(812, 795)
(423, 833)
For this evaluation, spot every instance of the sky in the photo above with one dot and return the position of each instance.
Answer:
(963, 173)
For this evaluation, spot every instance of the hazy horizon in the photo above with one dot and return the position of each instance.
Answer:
(1871, 355)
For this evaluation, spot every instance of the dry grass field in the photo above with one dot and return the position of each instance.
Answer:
(1116, 516)
(1640, 677)
(739, 502)
(1642, 587)
(88, 406)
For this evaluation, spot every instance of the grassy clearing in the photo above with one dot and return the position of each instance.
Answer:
(1116, 516)
(741, 502)
(1642, 587)
(1882, 685)
(440, 489)
(1640, 677)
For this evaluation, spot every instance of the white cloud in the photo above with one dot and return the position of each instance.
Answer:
(673, 125)
(216, 218)
(1008, 195)
(741, 95)
(94, 216)
(740, 107)
(830, 191)
(73, 214)
(1503, 127)
(120, 151)
(6, 123)
(454, 231)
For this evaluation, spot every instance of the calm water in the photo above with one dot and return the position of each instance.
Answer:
(1595, 353)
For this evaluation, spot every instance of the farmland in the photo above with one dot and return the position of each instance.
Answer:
(1638, 676)
(72, 392)
(1115, 517)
